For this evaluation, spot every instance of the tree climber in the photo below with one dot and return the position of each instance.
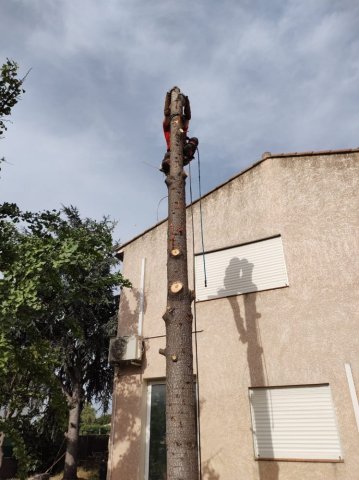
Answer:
(189, 149)
(191, 144)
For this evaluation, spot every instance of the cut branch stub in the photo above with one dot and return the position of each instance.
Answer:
(175, 252)
(176, 287)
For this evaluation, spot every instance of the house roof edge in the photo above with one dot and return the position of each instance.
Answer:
(118, 249)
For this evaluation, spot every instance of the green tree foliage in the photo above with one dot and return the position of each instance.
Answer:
(104, 419)
(57, 308)
(88, 415)
(10, 91)
(27, 358)
(92, 425)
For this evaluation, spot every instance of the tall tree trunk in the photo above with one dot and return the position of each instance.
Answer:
(6, 414)
(181, 434)
(2, 438)
(72, 436)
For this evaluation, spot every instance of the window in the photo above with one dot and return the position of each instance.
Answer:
(246, 268)
(294, 423)
(156, 432)
(156, 462)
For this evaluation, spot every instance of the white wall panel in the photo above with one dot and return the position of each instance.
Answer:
(242, 269)
(294, 423)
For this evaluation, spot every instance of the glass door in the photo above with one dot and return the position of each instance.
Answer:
(156, 432)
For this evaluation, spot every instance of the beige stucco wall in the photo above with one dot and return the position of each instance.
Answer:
(302, 334)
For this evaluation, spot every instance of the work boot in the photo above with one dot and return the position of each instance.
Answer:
(165, 166)
(189, 150)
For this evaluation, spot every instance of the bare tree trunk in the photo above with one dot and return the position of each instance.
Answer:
(2, 438)
(72, 436)
(181, 434)
(6, 414)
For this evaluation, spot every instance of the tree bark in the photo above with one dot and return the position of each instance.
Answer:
(181, 431)
(2, 438)
(6, 414)
(72, 436)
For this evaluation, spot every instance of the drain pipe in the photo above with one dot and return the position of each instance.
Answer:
(142, 298)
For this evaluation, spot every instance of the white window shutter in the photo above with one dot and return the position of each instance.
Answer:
(294, 423)
(246, 268)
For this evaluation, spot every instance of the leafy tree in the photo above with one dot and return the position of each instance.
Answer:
(58, 286)
(27, 358)
(10, 92)
(104, 419)
(88, 414)
(90, 424)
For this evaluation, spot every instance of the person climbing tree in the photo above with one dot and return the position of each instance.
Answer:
(191, 143)
(189, 149)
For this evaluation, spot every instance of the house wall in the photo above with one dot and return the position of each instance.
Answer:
(302, 334)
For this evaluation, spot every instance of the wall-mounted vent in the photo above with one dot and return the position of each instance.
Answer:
(125, 349)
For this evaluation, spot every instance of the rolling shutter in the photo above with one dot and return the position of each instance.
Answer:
(247, 268)
(294, 423)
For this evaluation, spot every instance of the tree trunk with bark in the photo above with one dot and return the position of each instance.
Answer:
(181, 431)
(6, 414)
(72, 436)
(2, 439)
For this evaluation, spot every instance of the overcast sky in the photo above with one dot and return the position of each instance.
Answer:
(262, 75)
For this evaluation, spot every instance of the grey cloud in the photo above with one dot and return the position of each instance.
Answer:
(278, 76)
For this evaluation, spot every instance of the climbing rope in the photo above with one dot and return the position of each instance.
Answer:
(201, 218)
(57, 459)
(159, 203)
(195, 319)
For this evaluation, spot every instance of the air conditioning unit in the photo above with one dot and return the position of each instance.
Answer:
(127, 349)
